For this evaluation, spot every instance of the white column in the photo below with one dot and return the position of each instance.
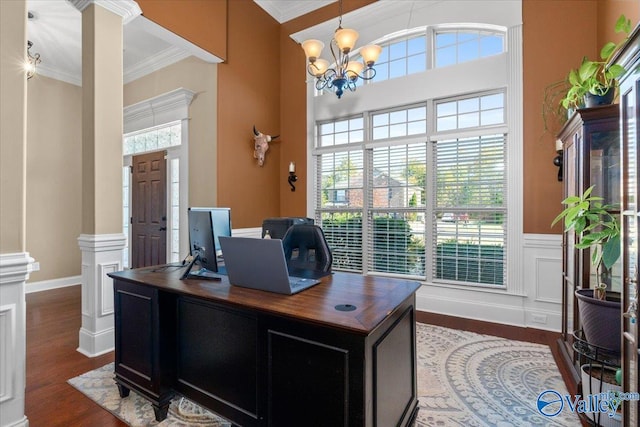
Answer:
(14, 272)
(101, 255)
(101, 241)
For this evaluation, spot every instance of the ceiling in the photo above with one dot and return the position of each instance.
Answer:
(55, 31)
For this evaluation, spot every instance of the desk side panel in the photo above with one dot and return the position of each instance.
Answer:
(395, 376)
(218, 359)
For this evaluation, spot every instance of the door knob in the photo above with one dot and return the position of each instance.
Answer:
(162, 229)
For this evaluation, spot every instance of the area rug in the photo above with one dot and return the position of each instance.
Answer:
(467, 379)
(464, 379)
(135, 410)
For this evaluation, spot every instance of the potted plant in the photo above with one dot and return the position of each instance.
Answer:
(596, 229)
(596, 81)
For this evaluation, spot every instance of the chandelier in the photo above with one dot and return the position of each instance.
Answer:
(346, 73)
(32, 61)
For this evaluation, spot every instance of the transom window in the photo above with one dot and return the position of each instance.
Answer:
(393, 124)
(341, 132)
(402, 57)
(457, 46)
(153, 139)
(410, 54)
(470, 112)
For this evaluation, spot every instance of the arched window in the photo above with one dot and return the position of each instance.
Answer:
(426, 156)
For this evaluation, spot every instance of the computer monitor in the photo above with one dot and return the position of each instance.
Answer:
(201, 242)
(221, 220)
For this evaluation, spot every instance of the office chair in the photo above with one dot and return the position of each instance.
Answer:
(306, 249)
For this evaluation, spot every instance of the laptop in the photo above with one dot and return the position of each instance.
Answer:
(260, 264)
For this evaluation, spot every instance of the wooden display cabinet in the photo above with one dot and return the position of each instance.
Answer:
(629, 57)
(591, 156)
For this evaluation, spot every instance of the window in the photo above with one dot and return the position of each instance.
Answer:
(457, 46)
(341, 132)
(398, 58)
(426, 185)
(469, 210)
(470, 112)
(393, 124)
(153, 139)
(401, 57)
(378, 189)
(396, 207)
(372, 199)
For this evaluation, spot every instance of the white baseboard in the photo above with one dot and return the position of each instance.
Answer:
(46, 285)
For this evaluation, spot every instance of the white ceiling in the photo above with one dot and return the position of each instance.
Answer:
(286, 10)
(55, 32)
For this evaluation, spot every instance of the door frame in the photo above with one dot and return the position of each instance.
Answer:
(156, 112)
(177, 153)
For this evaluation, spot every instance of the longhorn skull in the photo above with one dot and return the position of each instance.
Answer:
(261, 145)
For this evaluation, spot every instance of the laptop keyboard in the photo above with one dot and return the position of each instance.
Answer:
(297, 282)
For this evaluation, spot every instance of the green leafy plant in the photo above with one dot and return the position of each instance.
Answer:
(595, 228)
(596, 77)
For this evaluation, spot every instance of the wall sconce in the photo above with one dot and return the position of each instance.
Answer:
(558, 159)
(32, 60)
(292, 176)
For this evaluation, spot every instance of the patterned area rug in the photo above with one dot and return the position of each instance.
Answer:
(467, 379)
(136, 410)
(464, 379)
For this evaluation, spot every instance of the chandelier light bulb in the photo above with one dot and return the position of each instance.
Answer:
(370, 54)
(320, 67)
(354, 68)
(346, 39)
(312, 49)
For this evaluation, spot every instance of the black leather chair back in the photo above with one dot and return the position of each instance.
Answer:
(306, 248)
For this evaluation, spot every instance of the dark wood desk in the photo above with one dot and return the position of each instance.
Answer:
(263, 359)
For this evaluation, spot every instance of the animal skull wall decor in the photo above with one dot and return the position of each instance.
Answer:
(261, 145)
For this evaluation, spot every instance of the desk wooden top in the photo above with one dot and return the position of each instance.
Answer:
(373, 297)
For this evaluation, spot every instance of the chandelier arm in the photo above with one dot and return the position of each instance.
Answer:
(321, 83)
(368, 73)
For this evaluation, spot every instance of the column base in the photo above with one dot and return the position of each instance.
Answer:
(14, 272)
(101, 254)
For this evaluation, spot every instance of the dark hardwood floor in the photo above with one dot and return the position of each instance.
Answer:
(53, 322)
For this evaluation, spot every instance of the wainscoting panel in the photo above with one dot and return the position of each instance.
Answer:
(7, 350)
(539, 305)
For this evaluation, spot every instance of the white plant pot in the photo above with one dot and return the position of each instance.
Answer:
(592, 385)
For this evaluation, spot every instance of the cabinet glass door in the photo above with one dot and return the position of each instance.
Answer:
(630, 220)
(604, 175)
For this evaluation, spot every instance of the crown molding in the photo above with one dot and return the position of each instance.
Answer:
(157, 62)
(164, 108)
(127, 9)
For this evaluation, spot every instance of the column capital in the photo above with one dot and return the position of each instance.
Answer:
(15, 267)
(102, 242)
(127, 9)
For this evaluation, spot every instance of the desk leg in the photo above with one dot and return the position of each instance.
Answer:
(161, 411)
(122, 390)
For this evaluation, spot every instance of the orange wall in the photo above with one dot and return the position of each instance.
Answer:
(556, 35)
(202, 22)
(248, 95)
